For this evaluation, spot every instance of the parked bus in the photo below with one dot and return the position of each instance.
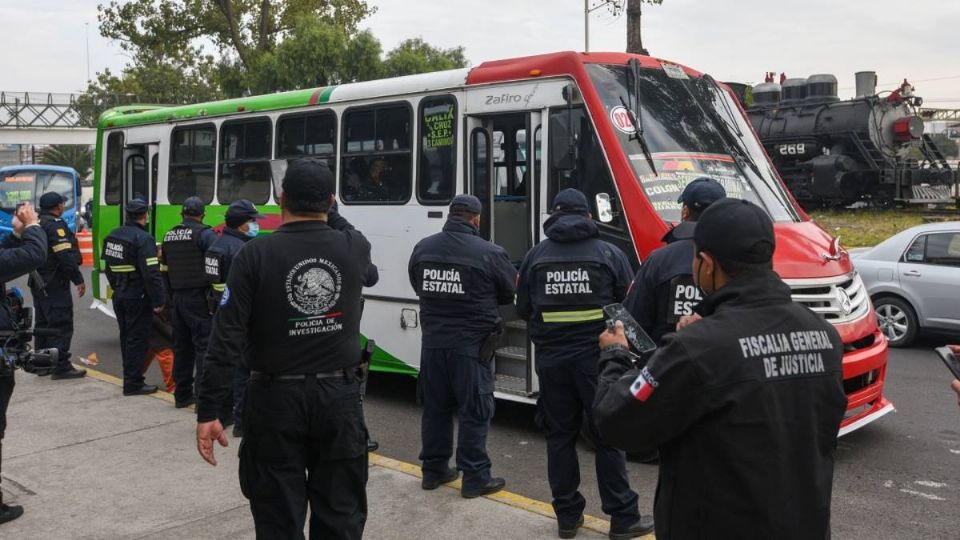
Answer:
(26, 183)
(629, 131)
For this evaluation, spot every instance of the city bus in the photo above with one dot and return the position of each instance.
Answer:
(27, 183)
(629, 131)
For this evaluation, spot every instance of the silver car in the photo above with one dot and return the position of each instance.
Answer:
(914, 280)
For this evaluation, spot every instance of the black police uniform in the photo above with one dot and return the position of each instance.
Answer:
(53, 299)
(217, 261)
(565, 281)
(294, 296)
(133, 271)
(461, 279)
(750, 397)
(29, 254)
(743, 405)
(663, 290)
(182, 257)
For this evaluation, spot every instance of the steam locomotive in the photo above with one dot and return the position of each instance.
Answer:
(833, 152)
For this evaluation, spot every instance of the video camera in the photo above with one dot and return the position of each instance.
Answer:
(15, 348)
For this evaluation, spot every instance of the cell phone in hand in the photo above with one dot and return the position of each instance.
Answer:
(639, 340)
(950, 360)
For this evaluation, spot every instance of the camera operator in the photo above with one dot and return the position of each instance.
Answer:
(15, 262)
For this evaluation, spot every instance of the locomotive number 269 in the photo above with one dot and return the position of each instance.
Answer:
(793, 149)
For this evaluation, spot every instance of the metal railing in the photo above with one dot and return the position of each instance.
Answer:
(21, 110)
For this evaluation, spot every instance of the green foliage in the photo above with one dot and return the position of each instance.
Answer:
(946, 145)
(257, 47)
(79, 157)
(417, 56)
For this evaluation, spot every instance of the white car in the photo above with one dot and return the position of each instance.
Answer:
(914, 280)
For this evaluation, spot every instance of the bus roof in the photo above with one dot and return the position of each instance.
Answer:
(45, 168)
(524, 68)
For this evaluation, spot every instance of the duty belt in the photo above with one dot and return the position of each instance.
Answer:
(346, 373)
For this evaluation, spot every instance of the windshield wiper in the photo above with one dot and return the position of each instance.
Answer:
(633, 91)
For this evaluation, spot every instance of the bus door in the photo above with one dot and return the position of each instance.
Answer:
(504, 167)
(140, 177)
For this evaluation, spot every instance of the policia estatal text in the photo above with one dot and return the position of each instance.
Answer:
(295, 297)
(744, 405)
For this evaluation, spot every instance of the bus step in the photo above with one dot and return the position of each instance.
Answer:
(511, 385)
(516, 324)
(512, 353)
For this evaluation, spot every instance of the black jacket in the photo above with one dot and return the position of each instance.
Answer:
(461, 279)
(564, 283)
(218, 258)
(132, 267)
(294, 297)
(663, 289)
(62, 266)
(744, 406)
(19, 256)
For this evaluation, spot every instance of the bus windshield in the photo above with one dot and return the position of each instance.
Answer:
(692, 128)
(27, 186)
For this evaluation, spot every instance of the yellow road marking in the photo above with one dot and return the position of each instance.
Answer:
(508, 498)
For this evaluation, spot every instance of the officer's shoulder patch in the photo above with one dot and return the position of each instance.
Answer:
(61, 232)
(225, 299)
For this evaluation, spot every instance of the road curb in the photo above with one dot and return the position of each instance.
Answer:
(508, 498)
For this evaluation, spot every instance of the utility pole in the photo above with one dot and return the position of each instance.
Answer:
(615, 7)
(86, 34)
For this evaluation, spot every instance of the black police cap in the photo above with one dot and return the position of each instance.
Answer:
(732, 229)
(242, 209)
(193, 206)
(466, 203)
(51, 200)
(701, 193)
(571, 201)
(308, 182)
(136, 206)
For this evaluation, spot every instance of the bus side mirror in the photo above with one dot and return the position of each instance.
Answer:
(604, 208)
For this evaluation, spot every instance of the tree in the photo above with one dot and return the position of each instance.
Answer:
(948, 147)
(79, 157)
(417, 56)
(634, 13)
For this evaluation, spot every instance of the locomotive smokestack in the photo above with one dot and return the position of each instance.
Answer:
(866, 83)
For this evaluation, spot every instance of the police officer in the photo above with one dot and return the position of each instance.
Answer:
(132, 268)
(294, 297)
(662, 291)
(28, 255)
(181, 258)
(241, 226)
(743, 404)
(52, 297)
(565, 280)
(461, 279)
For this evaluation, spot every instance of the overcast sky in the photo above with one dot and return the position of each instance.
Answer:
(734, 40)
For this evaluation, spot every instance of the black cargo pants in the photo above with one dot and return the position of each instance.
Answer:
(134, 316)
(192, 323)
(54, 311)
(6, 391)
(304, 442)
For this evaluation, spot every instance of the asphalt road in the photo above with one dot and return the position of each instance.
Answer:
(896, 478)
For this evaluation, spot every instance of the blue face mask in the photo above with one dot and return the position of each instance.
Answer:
(254, 229)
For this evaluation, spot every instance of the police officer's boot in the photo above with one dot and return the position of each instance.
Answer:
(372, 445)
(642, 527)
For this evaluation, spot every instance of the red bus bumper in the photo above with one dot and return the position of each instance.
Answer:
(864, 373)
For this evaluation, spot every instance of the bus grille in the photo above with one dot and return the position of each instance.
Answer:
(840, 299)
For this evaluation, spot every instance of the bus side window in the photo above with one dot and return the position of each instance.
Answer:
(245, 161)
(192, 158)
(113, 176)
(308, 135)
(437, 169)
(376, 165)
